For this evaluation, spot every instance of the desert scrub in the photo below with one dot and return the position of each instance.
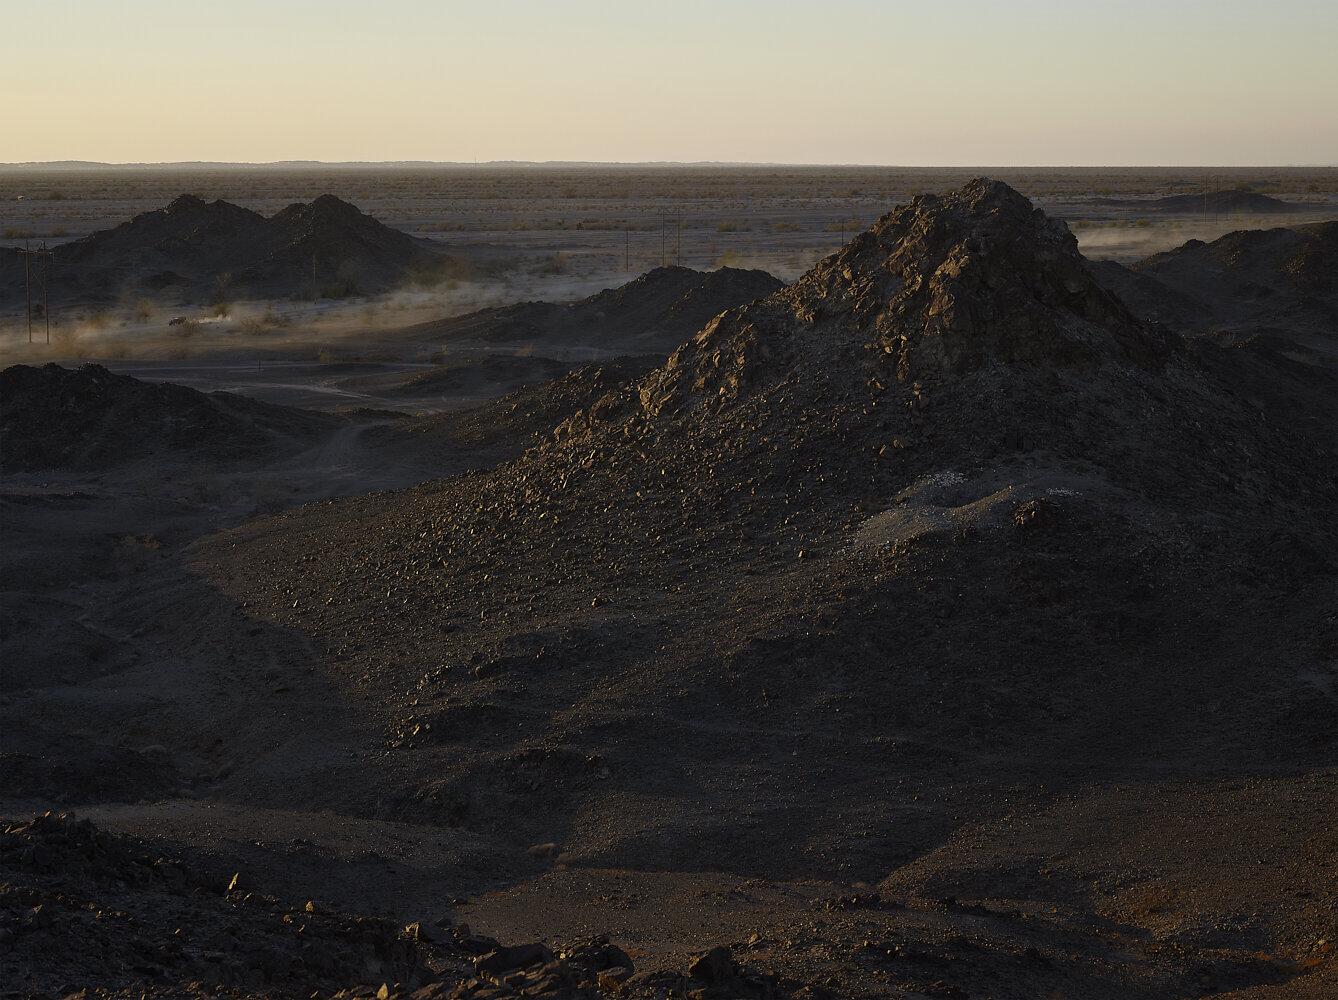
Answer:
(559, 263)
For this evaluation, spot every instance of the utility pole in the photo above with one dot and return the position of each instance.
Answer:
(28, 288)
(45, 254)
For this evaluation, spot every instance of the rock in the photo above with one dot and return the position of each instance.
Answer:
(41, 917)
(716, 967)
(495, 963)
(427, 933)
(478, 944)
(613, 979)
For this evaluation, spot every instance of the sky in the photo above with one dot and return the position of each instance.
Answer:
(946, 83)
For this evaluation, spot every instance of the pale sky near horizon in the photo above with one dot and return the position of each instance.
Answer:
(958, 82)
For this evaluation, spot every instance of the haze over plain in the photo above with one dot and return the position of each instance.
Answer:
(961, 83)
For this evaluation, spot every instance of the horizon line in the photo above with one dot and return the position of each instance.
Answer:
(412, 164)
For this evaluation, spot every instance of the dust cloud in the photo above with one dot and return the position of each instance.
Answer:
(368, 328)
(1129, 241)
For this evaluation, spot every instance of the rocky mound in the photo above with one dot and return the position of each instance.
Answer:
(189, 233)
(353, 254)
(939, 522)
(654, 313)
(88, 418)
(193, 251)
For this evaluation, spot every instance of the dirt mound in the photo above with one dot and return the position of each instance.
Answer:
(655, 312)
(88, 418)
(352, 253)
(193, 251)
(187, 230)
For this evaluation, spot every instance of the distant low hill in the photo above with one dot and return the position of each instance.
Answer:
(1212, 202)
(197, 251)
(653, 313)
